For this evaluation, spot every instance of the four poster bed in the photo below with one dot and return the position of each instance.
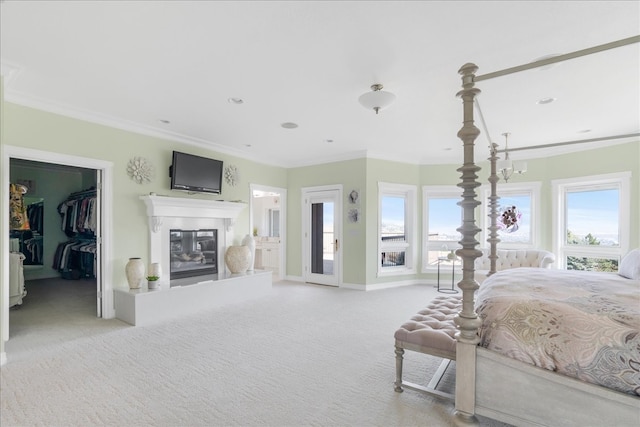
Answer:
(540, 382)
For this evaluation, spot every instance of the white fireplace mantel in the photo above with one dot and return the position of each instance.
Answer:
(167, 213)
(159, 207)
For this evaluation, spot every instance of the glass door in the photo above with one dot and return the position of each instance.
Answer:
(322, 260)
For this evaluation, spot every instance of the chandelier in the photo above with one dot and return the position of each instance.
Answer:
(507, 167)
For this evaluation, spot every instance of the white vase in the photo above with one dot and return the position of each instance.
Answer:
(250, 242)
(153, 284)
(237, 259)
(135, 272)
(155, 269)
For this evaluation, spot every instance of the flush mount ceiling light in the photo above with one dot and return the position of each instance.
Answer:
(377, 99)
(289, 125)
(236, 101)
(545, 101)
(506, 167)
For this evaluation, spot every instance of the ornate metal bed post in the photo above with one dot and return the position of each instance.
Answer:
(493, 239)
(467, 320)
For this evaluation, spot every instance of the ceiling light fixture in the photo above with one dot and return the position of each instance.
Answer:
(377, 99)
(289, 125)
(545, 101)
(506, 167)
(236, 101)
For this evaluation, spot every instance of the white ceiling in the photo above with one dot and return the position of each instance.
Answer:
(133, 64)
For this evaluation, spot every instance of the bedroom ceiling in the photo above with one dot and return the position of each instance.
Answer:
(138, 65)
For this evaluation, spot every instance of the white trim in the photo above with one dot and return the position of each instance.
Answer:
(559, 188)
(283, 222)
(409, 246)
(306, 194)
(106, 260)
(433, 192)
(512, 189)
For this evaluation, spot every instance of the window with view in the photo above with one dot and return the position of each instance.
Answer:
(524, 198)
(396, 228)
(592, 216)
(442, 217)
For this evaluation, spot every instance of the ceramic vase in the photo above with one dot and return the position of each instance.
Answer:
(250, 242)
(153, 284)
(237, 259)
(135, 272)
(155, 269)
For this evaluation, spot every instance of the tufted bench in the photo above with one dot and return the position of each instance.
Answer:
(431, 331)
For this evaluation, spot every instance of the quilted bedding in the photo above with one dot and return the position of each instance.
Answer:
(585, 325)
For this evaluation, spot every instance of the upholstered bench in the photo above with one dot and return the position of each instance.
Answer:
(431, 331)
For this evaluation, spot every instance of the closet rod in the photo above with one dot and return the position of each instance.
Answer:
(559, 58)
(579, 141)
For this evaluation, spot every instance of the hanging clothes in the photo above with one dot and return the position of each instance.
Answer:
(18, 219)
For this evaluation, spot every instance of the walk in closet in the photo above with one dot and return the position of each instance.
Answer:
(56, 237)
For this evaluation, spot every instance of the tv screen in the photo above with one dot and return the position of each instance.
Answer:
(194, 173)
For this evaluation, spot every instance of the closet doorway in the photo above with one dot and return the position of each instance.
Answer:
(35, 168)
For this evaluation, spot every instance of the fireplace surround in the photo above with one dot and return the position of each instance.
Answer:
(173, 213)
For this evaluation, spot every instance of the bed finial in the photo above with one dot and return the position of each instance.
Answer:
(467, 320)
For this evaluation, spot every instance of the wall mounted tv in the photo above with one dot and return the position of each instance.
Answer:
(194, 173)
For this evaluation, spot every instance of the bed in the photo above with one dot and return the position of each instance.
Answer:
(505, 384)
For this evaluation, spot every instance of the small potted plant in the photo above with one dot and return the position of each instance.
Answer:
(152, 281)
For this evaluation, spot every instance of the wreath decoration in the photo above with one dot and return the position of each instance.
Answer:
(509, 219)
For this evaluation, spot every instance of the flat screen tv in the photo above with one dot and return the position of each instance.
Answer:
(194, 173)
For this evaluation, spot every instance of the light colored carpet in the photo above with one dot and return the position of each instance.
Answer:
(306, 355)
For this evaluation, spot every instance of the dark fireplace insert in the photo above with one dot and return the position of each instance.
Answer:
(193, 253)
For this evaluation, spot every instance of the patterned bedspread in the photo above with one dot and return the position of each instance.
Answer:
(585, 325)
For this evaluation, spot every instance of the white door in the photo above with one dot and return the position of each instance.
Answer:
(322, 235)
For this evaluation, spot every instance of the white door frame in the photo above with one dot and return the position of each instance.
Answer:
(307, 194)
(283, 222)
(105, 169)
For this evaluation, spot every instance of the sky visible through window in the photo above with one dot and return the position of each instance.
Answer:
(595, 212)
(392, 215)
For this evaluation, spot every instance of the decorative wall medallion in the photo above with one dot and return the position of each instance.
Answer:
(354, 197)
(231, 175)
(354, 215)
(140, 170)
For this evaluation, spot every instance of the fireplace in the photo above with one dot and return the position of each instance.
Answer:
(171, 215)
(193, 253)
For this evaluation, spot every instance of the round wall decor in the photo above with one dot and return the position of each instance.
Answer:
(140, 170)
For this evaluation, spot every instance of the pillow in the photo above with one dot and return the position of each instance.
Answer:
(630, 265)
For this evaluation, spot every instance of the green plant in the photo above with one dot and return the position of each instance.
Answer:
(153, 278)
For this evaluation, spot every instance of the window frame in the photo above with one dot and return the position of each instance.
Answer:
(436, 192)
(409, 193)
(512, 189)
(560, 187)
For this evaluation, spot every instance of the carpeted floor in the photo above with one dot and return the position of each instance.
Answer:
(306, 355)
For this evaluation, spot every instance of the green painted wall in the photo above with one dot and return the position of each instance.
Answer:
(40, 130)
(351, 174)
(27, 127)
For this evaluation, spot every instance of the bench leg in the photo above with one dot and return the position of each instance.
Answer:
(398, 383)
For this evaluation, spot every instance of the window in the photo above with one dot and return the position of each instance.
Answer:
(442, 216)
(396, 229)
(592, 221)
(524, 197)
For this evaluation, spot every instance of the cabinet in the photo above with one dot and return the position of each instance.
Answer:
(268, 255)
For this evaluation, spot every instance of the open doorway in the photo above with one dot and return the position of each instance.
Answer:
(92, 173)
(267, 208)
